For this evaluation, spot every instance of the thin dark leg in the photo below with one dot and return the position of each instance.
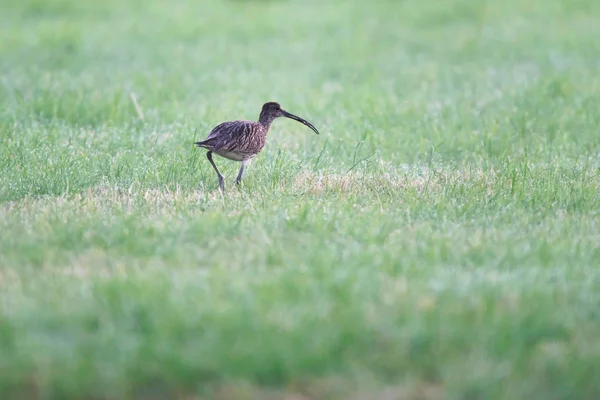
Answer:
(238, 180)
(221, 180)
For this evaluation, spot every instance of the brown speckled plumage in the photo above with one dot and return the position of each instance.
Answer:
(242, 140)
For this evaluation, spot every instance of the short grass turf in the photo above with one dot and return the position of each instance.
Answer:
(439, 240)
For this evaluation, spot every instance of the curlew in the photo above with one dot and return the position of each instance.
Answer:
(243, 140)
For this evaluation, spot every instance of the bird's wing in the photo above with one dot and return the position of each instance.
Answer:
(228, 134)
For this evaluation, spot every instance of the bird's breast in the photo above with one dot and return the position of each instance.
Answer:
(234, 155)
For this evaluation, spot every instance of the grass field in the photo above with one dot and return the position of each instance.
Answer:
(439, 240)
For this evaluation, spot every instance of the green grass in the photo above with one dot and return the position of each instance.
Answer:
(439, 240)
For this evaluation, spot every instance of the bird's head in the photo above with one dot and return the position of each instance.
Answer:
(272, 110)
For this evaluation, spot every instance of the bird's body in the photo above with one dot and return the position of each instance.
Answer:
(243, 140)
(236, 140)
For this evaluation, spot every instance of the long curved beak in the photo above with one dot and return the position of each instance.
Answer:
(301, 120)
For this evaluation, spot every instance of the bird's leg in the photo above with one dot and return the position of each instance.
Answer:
(221, 180)
(238, 180)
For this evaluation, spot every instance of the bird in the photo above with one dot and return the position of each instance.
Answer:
(242, 140)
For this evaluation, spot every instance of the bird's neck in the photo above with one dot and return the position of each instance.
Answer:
(266, 120)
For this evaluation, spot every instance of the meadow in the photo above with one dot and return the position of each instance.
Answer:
(439, 240)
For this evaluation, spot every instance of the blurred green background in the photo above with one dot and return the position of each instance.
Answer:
(438, 240)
